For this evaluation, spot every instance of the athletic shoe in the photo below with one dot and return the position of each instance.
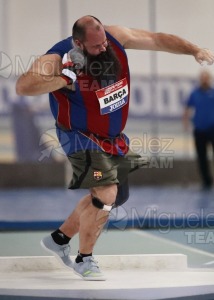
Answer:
(61, 252)
(88, 269)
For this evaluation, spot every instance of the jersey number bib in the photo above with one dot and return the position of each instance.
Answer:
(113, 96)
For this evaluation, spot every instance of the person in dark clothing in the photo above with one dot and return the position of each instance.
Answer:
(200, 108)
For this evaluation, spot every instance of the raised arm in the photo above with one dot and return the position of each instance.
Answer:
(144, 40)
(44, 76)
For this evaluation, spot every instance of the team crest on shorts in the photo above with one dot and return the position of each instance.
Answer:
(98, 175)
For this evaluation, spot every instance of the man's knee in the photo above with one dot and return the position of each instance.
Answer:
(100, 205)
(104, 197)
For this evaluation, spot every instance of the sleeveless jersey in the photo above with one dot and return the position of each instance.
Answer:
(92, 117)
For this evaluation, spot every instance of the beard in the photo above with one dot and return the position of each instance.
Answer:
(104, 67)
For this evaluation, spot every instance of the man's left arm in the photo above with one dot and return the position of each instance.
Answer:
(139, 39)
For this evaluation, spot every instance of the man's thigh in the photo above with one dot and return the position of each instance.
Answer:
(93, 169)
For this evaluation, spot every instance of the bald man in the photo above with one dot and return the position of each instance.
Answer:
(88, 81)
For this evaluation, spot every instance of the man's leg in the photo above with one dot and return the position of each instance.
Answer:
(85, 212)
(71, 225)
(88, 220)
(201, 144)
(58, 242)
(92, 220)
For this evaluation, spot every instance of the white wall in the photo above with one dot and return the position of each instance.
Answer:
(191, 19)
(32, 26)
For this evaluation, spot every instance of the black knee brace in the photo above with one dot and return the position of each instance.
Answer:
(98, 204)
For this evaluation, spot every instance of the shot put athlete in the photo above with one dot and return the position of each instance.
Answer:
(88, 81)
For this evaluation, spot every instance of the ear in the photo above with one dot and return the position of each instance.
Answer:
(78, 44)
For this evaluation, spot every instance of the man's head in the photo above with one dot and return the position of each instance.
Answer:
(205, 79)
(101, 61)
(89, 35)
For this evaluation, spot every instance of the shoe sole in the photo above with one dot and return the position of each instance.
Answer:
(90, 278)
(55, 255)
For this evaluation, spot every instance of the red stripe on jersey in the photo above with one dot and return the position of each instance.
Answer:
(64, 106)
(125, 73)
(95, 121)
(112, 146)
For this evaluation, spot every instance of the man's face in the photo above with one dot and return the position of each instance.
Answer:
(101, 61)
(95, 42)
(205, 79)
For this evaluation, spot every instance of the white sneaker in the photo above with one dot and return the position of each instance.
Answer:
(61, 252)
(88, 269)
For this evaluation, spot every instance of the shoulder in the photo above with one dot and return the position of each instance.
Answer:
(133, 38)
(196, 90)
(61, 47)
(120, 33)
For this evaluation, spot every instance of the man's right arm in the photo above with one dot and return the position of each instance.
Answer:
(44, 76)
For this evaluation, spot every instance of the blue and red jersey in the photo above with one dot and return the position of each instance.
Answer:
(91, 117)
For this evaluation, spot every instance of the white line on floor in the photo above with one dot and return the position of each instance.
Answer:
(173, 243)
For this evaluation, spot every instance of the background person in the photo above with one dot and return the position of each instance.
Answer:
(200, 109)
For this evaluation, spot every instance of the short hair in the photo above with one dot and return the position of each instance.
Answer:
(79, 29)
